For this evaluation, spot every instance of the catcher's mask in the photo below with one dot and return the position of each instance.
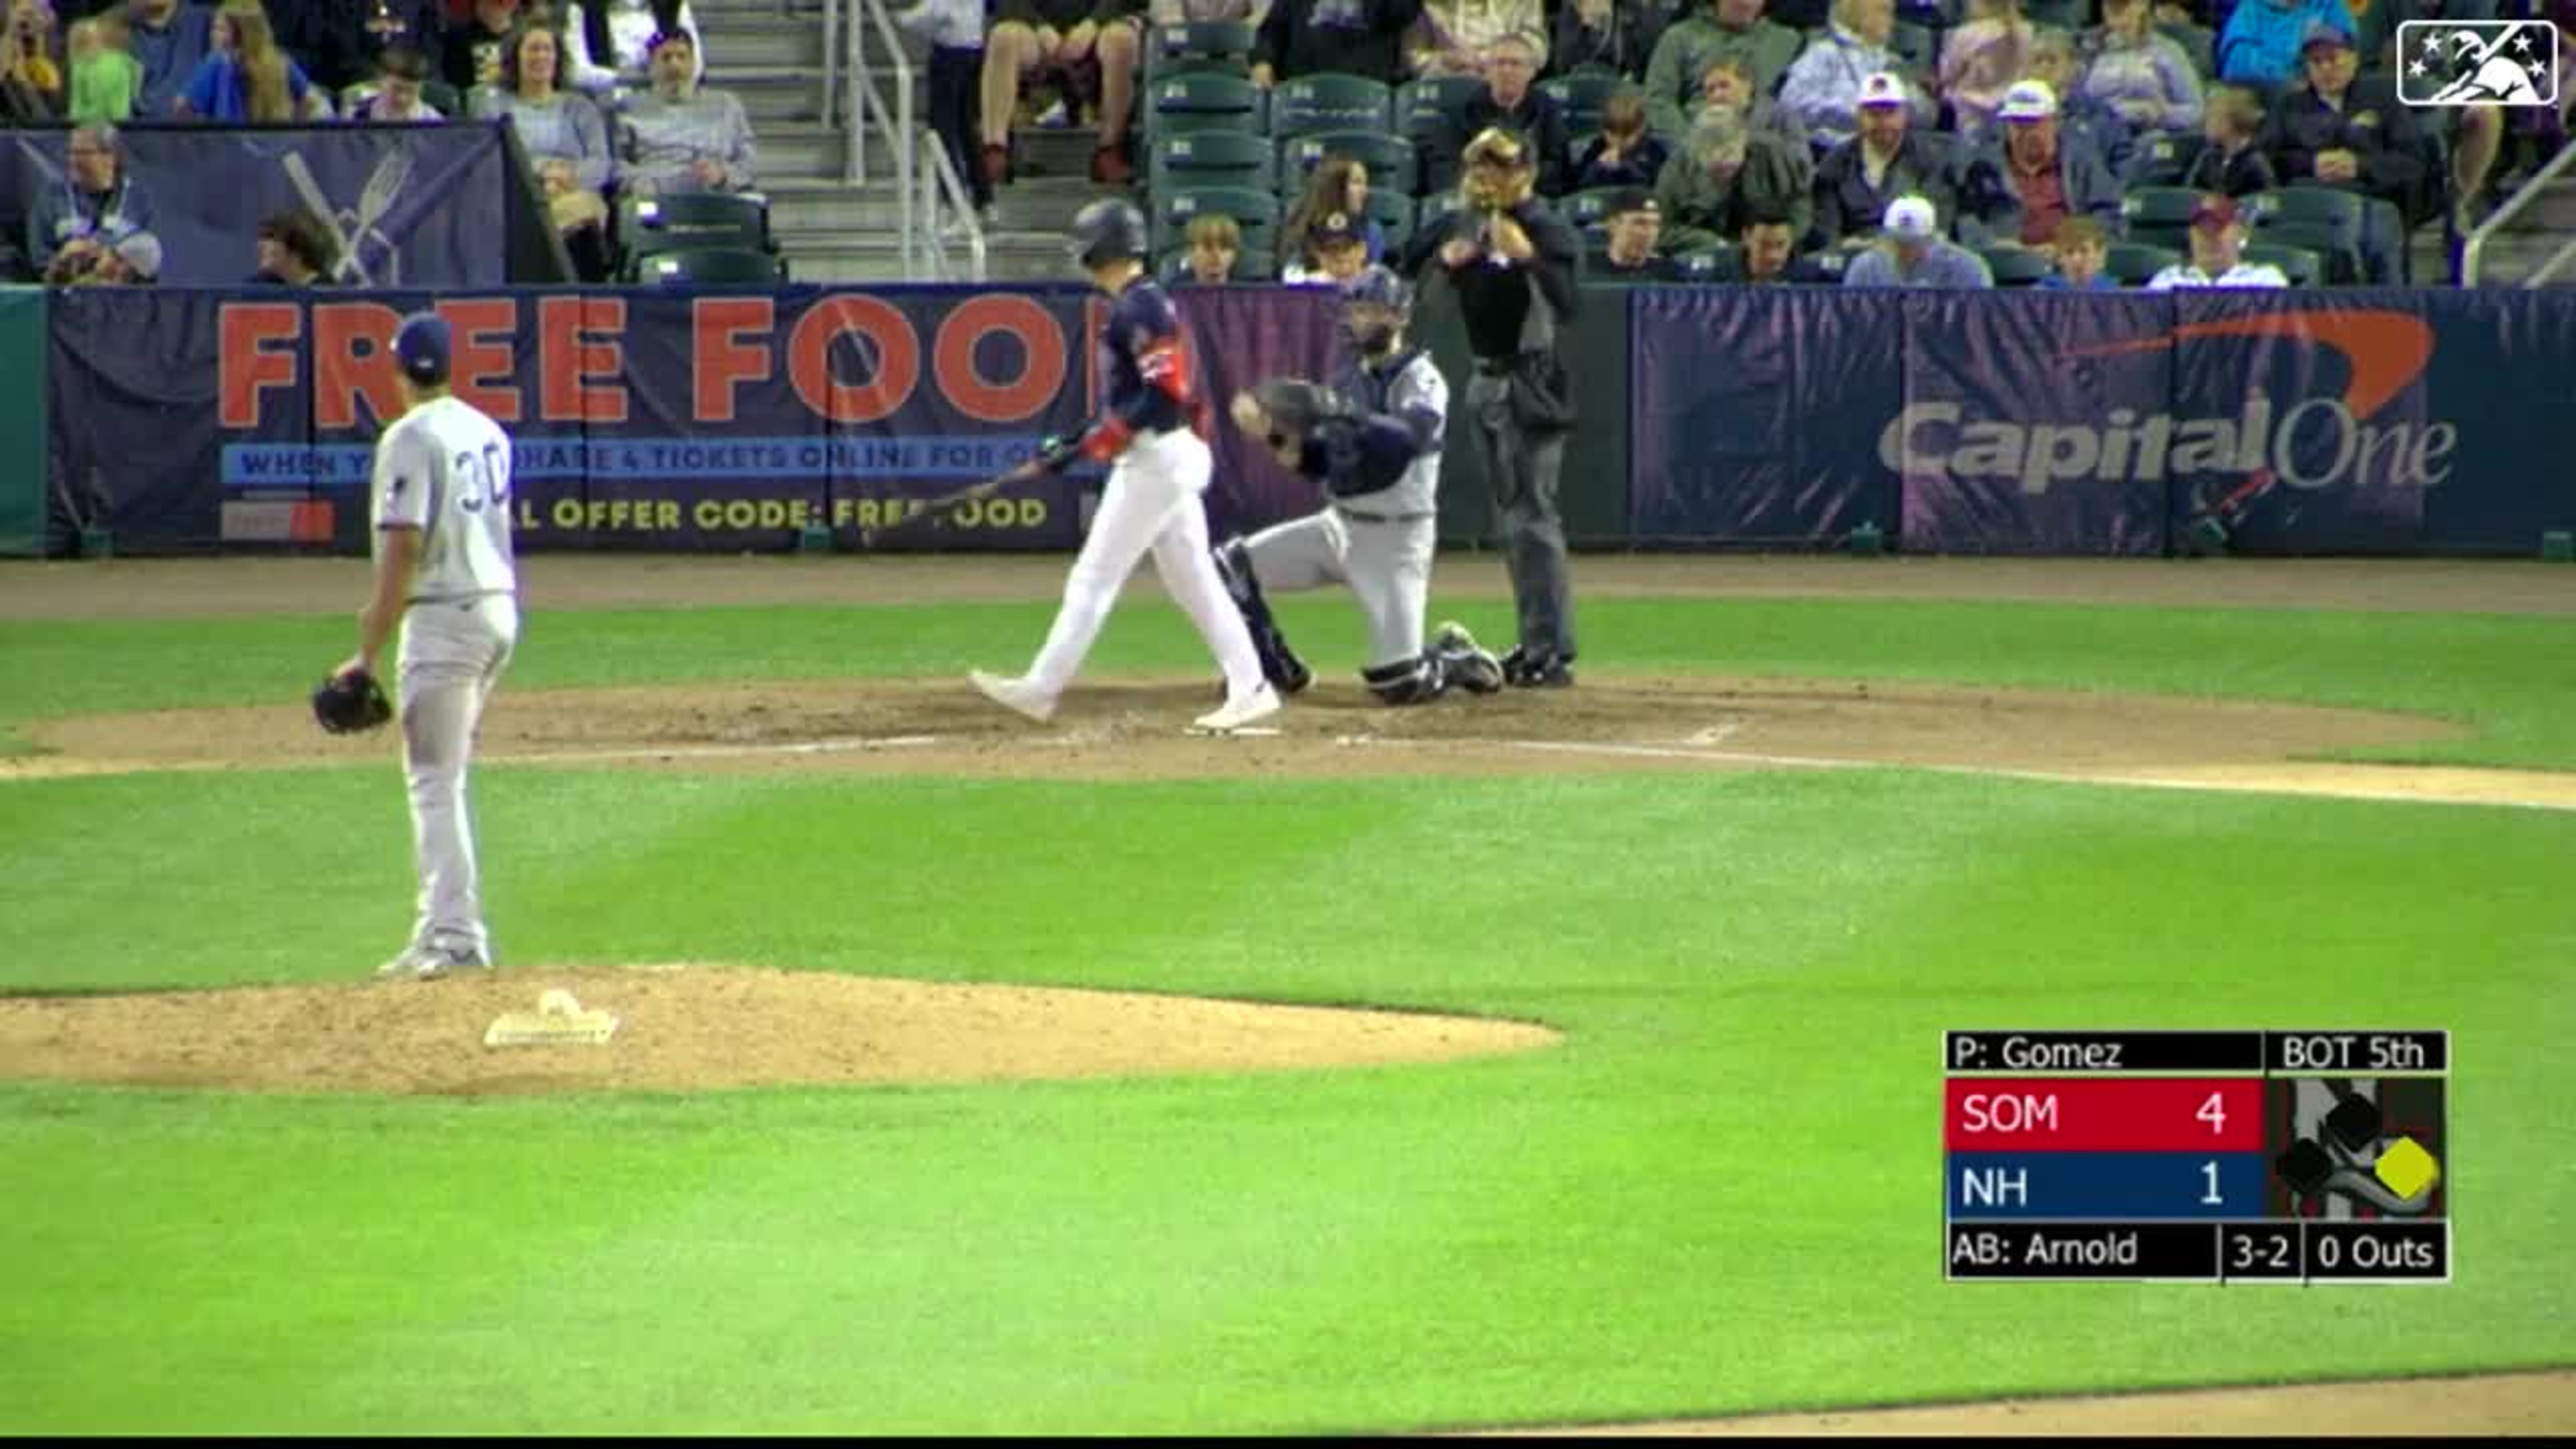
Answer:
(1500, 171)
(1375, 307)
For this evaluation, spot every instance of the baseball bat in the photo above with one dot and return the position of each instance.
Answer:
(947, 503)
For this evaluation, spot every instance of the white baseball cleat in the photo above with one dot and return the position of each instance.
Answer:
(428, 963)
(1234, 714)
(1016, 695)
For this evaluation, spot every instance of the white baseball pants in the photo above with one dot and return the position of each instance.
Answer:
(452, 658)
(1152, 502)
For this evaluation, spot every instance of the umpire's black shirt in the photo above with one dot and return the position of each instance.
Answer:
(1494, 297)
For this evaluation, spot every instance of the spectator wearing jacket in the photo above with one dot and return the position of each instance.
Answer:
(2141, 73)
(2019, 192)
(1726, 172)
(1823, 88)
(2231, 160)
(1351, 37)
(1452, 37)
(2355, 136)
(1613, 35)
(1685, 51)
(2260, 44)
(1859, 179)
(1511, 101)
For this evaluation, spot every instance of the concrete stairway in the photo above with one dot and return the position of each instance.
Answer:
(770, 53)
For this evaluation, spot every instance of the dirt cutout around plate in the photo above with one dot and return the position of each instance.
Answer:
(696, 1027)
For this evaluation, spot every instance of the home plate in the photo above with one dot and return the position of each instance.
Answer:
(1247, 732)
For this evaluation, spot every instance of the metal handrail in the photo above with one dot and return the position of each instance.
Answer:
(2513, 206)
(940, 182)
(900, 139)
(831, 63)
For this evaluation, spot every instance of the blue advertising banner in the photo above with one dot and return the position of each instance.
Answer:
(418, 206)
(1755, 415)
(2506, 372)
(1245, 335)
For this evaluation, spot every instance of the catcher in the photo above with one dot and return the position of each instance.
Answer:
(443, 570)
(1373, 440)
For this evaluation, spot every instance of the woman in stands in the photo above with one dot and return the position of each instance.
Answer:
(1338, 184)
(565, 137)
(247, 78)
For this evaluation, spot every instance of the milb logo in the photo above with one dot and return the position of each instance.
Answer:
(2477, 63)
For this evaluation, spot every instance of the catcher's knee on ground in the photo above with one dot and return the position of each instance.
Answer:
(1279, 663)
(1418, 680)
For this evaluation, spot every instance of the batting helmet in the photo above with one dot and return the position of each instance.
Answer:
(1107, 230)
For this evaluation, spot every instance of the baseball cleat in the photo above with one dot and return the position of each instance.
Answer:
(428, 963)
(1234, 714)
(1016, 695)
(1468, 664)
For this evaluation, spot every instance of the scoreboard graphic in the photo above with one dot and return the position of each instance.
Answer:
(2196, 1156)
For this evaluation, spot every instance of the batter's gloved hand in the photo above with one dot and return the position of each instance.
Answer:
(351, 703)
(1062, 451)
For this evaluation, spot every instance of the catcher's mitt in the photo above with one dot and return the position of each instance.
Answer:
(350, 703)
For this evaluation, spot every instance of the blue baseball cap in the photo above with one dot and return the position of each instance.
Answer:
(421, 344)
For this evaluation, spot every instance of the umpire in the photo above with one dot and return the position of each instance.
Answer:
(1512, 266)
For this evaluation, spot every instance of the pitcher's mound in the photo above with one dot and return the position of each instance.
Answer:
(686, 1027)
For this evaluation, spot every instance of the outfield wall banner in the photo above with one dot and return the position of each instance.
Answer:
(2008, 422)
(23, 343)
(417, 206)
(659, 421)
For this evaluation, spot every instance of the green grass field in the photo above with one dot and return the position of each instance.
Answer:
(1721, 1194)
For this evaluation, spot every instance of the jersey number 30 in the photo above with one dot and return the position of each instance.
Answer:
(483, 478)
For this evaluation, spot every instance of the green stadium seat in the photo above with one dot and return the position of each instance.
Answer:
(1723, 262)
(694, 220)
(1256, 212)
(1390, 160)
(1189, 103)
(2016, 266)
(2131, 263)
(2317, 218)
(1199, 43)
(713, 266)
(2303, 267)
(2159, 215)
(1330, 102)
(1250, 265)
(1582, 95)
(1589, 210)
(2161, 159)
(1423, 107)
(1211, 158)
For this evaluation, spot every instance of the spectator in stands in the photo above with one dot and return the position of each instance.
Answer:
(1625, 153)
(2217, 249)
(2260, 44)
(1767, 251)
(2082, 246)
(386, 26)
(2229, 162)
(400, 75)
(611, 45)
(27, 67)
(1911, 252)
(1119, 53)
(2080, 117)
(954, 31)
(1612, 35)
(2472, 136)
(1726, 172)
(1510, 100)
(1032, 40)
(106, 78)
(1352, 37)
(171, 40)
(473, 45)
(565, 138)
(93, 208)
(1884, 160)
(1636, 226)
(1334, 253)
(1823, 86)
(1216, 244)
(1339, 185)
(295, 251)
(2141, 74)
(246, 78)
(2018, 193)
(680, 136)
(1457, 37)
(1728, 86)
(1979, 62)
(2353, 135)
(1678, 73)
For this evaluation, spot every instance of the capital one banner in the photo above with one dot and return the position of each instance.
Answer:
(642, 419)
(2032, 422)
(419, 206)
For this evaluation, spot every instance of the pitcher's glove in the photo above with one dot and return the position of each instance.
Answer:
(351, 703)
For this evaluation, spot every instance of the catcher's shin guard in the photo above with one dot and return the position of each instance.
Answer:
(1418, 680)
(1279, 664)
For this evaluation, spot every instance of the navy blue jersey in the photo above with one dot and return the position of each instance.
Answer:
(1148, 379)
(1390, 436)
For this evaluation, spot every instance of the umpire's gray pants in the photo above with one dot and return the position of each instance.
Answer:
(1521, 468)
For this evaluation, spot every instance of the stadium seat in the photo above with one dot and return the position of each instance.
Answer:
(2159, 215)
(2016, 266)
(1250, 265)
(1423, 107)
(1220, 47)
(1188, 103)
(1331, 102)
(1723, 262)
(713, 266)
(1396, 215)
(693, 221)
(1390, 160)
(2131, 264)
(2316, 218)
(2303, 267)
(1589, 210)
(1257, 212)
(1211, 158)
(1916, 44)
(1435, 206)
(2161, 160)
(1582, 95)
